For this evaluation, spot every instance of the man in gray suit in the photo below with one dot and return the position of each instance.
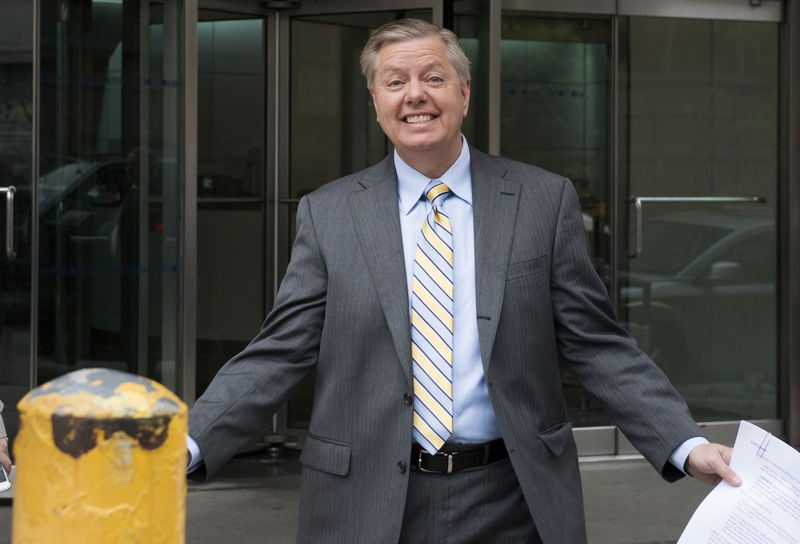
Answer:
(434, 293)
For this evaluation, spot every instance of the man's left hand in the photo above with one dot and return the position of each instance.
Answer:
(709, 463)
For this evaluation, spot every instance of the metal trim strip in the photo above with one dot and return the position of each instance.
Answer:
(727, 10)
(588, 7)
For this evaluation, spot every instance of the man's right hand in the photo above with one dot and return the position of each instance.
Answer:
(5, 459)
(709, 463)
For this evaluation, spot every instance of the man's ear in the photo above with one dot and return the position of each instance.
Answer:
(465, 89)
(374, 105)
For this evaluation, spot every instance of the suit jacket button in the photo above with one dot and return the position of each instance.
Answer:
(401, 467)
(407, 399)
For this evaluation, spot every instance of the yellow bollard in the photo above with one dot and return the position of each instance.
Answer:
(101, 458)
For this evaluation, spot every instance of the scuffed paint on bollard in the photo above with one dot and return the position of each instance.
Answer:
(101, 458)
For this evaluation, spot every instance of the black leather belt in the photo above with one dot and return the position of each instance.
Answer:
(454, 458)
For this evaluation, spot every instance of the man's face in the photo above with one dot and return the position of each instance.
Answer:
(419, 100)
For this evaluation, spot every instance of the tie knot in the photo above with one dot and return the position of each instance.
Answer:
(436, 192)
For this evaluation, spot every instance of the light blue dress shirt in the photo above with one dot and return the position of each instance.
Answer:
(474, 418)
(473, 415)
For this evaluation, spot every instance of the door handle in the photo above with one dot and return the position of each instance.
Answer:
(11, 253)
(638, 201)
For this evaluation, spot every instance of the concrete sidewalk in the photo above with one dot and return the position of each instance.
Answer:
(255, 499)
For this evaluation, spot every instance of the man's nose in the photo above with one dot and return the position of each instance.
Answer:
(415, 92)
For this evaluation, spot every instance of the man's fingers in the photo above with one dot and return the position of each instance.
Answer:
(721, 465)
(725, 472)
(709, 463)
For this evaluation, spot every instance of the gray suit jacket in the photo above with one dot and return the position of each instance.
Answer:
(343, 309)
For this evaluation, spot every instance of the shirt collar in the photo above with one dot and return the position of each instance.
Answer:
(411, 183)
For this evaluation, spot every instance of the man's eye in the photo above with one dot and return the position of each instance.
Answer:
(394, 84)
(435, 80)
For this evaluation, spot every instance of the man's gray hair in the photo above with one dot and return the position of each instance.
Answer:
(411, 29)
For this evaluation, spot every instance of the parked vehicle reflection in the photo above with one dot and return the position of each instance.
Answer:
(92, 259)
(700, 299)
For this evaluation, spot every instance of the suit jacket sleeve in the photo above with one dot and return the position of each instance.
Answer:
(637, 395)
(251, 386)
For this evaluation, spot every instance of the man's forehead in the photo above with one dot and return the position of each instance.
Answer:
(399, 55)
(426, 66)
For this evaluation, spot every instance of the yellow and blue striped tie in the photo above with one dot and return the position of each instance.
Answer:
(432, 324)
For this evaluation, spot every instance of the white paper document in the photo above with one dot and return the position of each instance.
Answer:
(765, 509)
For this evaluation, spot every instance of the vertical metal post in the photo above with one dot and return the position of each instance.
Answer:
(130, 235)
(143, 168)
(187, 346)
(614, 197)
(279, 31)
(490, 13)
(282, 44)
(438, 13)
(271, 139)
(34, 211)
(448, 19)
(790, 224)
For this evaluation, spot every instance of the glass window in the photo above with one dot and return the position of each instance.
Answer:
(109, 208)
(699, 118)
(16, 133)
(554, 113)
(231, 239)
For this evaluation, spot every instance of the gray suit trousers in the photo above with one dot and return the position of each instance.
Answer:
(473, 506)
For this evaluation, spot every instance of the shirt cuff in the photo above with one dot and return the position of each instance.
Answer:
(194, 451)
(681, 453)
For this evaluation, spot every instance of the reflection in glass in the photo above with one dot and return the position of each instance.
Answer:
(109, 194)
(554, 108)
(554, 114)
(699, 107)
(16, 128)
(231, 241)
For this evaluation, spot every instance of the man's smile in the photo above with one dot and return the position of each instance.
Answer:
(413, 119)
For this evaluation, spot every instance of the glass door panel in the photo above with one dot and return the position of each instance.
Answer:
(231, 212)
(555, 87)
(16, 144)
(332, 124)
(697, 284)
(109, 194)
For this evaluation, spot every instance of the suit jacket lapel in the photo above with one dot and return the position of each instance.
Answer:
(494, 205)
(377, 219)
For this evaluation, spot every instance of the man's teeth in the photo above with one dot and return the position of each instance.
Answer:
(418, 118)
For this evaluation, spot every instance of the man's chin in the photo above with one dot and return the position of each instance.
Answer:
(427, 144)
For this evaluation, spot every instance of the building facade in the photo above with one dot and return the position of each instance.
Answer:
(152, 155)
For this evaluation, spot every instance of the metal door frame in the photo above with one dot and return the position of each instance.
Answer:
(282, 59)
(591, 440)
(608, 440)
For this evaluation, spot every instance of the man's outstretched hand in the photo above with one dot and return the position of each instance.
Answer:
(709, 463)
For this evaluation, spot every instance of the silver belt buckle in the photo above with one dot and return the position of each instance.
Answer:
(449, 462)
